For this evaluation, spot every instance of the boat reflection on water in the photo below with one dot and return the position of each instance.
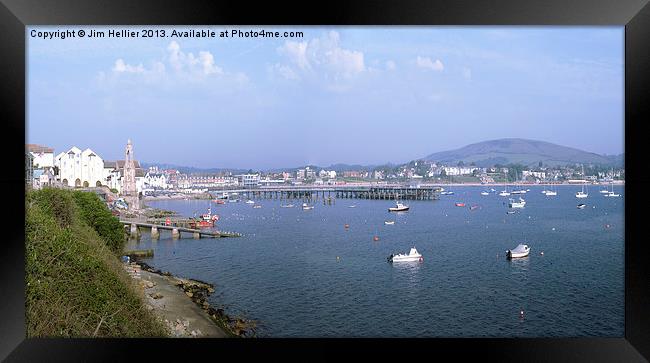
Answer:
(407, 275)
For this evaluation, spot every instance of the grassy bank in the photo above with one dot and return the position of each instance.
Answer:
(75, 283)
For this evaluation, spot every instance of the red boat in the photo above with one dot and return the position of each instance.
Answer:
(219, 201)
(460, 204)
(206, 220)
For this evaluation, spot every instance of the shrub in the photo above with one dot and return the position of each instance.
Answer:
(95, 213)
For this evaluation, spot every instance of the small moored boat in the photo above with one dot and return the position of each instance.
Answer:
(306, 206)
(413, 255)
(520, 251)
(250, 202)
(287, 206)
(399, 207)
(460, 204)
(389, 222)
(581, 206)
(517, 204)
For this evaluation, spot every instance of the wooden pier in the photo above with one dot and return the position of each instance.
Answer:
(133, 228)
(330, 193)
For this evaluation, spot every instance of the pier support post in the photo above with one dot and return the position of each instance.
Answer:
(134, 230)
(175, 233)
(154, 232)
(196, 235)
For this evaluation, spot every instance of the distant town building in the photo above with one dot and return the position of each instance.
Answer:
(248, 180)
(80, 168)
(43, 155)
(459, 170)
(534, 174)
(29, 168)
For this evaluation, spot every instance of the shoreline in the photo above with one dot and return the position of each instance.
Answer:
(182, 304)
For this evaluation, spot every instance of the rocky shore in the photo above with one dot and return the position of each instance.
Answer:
(193, 319)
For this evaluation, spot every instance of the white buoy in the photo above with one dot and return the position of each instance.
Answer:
(553, 229)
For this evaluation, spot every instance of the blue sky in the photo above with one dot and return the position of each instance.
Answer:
(356, 95)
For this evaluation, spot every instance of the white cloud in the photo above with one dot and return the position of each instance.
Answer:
(320, 57)
(427, 63)
(175, 66)
(121, 67)
(390, 65)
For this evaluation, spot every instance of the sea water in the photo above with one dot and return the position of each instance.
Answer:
(302, 273)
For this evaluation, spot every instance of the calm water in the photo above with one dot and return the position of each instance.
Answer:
(284, 272)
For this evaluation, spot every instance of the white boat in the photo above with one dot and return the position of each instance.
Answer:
(581, 206)
(413, 255)
(257, 206)
(581, 193)
(306, 206)
(517, 204)
(493, 190)
(399, 207)
(352, 206)
(250, 202)
(233, 200)
(287, 206)
(389, 222)
(485, 193)
(505, 192)
(520, 251)
(447, 193)
(611, 194)
(551, 193)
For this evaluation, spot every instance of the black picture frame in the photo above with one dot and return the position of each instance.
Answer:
(15, 15)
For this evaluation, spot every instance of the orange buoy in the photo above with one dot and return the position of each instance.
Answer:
(376, 238)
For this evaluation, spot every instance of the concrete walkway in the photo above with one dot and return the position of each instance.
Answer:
(182, 316)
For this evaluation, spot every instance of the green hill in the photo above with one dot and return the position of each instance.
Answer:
(75, 284)
(520, 151)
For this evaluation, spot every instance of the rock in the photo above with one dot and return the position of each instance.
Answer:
(149, 307)
(186, 323)
(149, 284)
(193, 333)
(189, 294)
(179, 328)
(156, 295)
(198, 332)
(210, 290)
(205, 304)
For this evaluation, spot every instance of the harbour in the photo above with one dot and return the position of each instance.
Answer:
(321, 273)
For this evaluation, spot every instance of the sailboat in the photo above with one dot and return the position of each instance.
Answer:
(582, 194)
(505, 192)
(550, 193)
(611, 194)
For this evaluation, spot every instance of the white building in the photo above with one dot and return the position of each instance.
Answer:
(80, 168)
(459, 170)
(249, 180)
(43, 156)
(155, 180)
(327, 174)
(113, 172)
(535, 174)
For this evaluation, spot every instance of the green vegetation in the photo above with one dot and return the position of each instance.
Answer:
(114, 191)
(75, 284)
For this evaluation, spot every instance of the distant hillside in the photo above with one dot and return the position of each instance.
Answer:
(192, 170)
(522, 151)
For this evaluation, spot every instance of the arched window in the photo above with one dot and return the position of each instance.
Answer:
(99, 184)
(86, 184)
(65, 181)
(77, 183)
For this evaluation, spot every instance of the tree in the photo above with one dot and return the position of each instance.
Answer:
(539, 164)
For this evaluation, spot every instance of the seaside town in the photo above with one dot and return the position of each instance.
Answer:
(76, 168)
